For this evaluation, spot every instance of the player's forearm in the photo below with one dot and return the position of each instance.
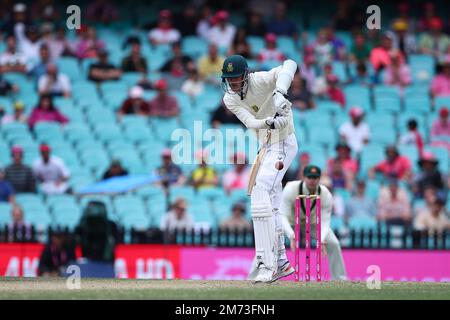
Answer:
(286, 75)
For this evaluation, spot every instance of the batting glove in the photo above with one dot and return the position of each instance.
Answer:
(280, 102)
(277, 122)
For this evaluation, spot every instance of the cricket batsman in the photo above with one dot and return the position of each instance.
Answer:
(311, 186)
(259, 100)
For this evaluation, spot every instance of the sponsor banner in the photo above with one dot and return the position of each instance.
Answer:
(394, 265)
(19, 260)
(140, 261)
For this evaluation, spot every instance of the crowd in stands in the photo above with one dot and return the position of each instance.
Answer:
(383, 91)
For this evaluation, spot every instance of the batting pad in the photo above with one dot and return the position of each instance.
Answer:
(264, 227)
(280, 249)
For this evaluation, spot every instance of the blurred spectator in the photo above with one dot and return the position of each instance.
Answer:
(17, 19)
(304, 160)
(57, 43)
(206, 21)
(29, 41)
(280, 24)
(193, 86)
(163, 105)
(395, 166)
(240, 44)
(88, 46)
(380, 56)
(187, 21)
(362, 77)
(403, 40)
(435, 41)
(177, 218)
(19, 175)
(203, 176)
(164, 32)
(45, 10)
(237, 221)
(270, 53)
(440, 130)
(338, 177)
(355, 133)
(178, 63)
(18, 229)
(255, 24)
(347, 17)
(170, 173)
(397, 73)
(323, 49)
(359, 205)
(300, 95)
(102, 11)
(51, 172)
(103, 70)
(440, 85)
(222, 33)
(210, 65)
(56, 256)
(7, 87)
(433, 219)
(18, 116)
(308, 72)
(54, 83)
(360, 49)
(428, 11)
(11, 60)
(343, 159)
(404, 17)
(46, 111)
(237, 177)
(320, 86)
(334, 92)
(6, 189)
(135, 103)
(135, 62)
(429, 176)
(40, 67)
(115, 170)
(338, 46)
(223, 116)
(393, 204)
(413, 136)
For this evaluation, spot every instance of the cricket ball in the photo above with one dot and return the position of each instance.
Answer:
(279, 165)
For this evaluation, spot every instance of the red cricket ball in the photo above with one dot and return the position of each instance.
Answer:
(279, 165)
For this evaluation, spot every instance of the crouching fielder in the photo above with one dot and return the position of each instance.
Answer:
(311, 186)
(260, 102)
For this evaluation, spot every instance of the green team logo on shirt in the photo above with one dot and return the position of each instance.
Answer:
(255, 108)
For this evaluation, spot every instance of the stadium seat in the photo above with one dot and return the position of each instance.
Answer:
(417, 104)
(194, 46)
(362, 223)
(357, 95)
(422, 67)
(383, 135)
(387, 104)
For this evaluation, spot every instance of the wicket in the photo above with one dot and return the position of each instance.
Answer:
(307, 199)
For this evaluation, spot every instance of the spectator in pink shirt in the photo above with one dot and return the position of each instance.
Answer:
(440, 131)
(88, 46)
(440, 86)
(163, 105)
(236, 178)
(395, 165)
(397, 73)
(270, 53)
(348, 165)
(334, 92)
(46, 111)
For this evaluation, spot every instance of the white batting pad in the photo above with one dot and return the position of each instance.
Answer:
(264, 227)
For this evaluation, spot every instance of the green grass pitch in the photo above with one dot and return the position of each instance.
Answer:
(46, 288)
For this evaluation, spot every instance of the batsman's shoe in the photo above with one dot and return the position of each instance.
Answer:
(265, 275)
(283, 271)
